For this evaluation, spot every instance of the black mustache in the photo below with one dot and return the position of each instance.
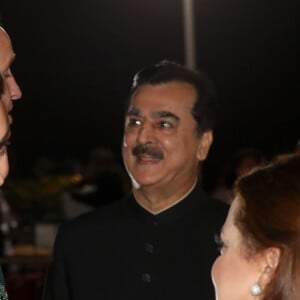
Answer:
(151, 151)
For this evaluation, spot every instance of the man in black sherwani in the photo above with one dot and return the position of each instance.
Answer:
(158, 243)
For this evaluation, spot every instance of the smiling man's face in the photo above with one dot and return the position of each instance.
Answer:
(161, 144)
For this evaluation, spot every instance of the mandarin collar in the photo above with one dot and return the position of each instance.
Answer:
(190, 205)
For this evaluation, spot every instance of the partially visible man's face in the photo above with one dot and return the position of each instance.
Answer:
(12, 90)
(161, 146)
(4, 136)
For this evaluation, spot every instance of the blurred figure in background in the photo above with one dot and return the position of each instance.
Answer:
(101, 183)
(260, 241)
(242, 163)
(101, 180)
(297, 147)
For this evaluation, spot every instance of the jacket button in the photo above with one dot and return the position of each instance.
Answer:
(146, 277)
(149, 248)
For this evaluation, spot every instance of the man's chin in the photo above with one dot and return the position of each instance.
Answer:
(142, 181)
(138, 182)
(144, 175)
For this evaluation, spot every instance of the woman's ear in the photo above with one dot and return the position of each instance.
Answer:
(271, 262)
(273, 257)
(205, 142)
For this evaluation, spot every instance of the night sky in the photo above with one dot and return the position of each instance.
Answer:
(75, 61)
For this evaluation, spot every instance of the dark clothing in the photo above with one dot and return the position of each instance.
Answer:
(121, 251)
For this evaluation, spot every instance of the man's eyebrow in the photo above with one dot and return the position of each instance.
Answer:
(133, 112)
(156, 114)
(164, 114)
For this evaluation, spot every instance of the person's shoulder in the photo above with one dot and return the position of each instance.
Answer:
(208, 214)
(217, 205)
(216, 209)
(208, 202)
(101, 219)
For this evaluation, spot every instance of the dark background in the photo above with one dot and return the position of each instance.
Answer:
(75, 61)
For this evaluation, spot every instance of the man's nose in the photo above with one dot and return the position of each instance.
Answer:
(145, 134)
(15, 90)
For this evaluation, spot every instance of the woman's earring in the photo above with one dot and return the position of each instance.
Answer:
(256, 289)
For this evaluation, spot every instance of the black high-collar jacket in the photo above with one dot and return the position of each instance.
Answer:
(122, 251)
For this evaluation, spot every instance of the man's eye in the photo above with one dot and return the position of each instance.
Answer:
(165, 124)
(134, 122)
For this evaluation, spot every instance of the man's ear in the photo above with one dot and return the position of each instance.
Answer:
(205, 142)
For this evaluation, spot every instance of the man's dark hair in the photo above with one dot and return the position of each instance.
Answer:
(167, 71)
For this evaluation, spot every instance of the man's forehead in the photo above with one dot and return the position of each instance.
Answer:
(7, 54)
(6, 60)
(4, 39)
(164, 94)
(133, 111)
(160, 110)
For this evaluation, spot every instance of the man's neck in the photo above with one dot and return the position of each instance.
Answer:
(156, 201)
